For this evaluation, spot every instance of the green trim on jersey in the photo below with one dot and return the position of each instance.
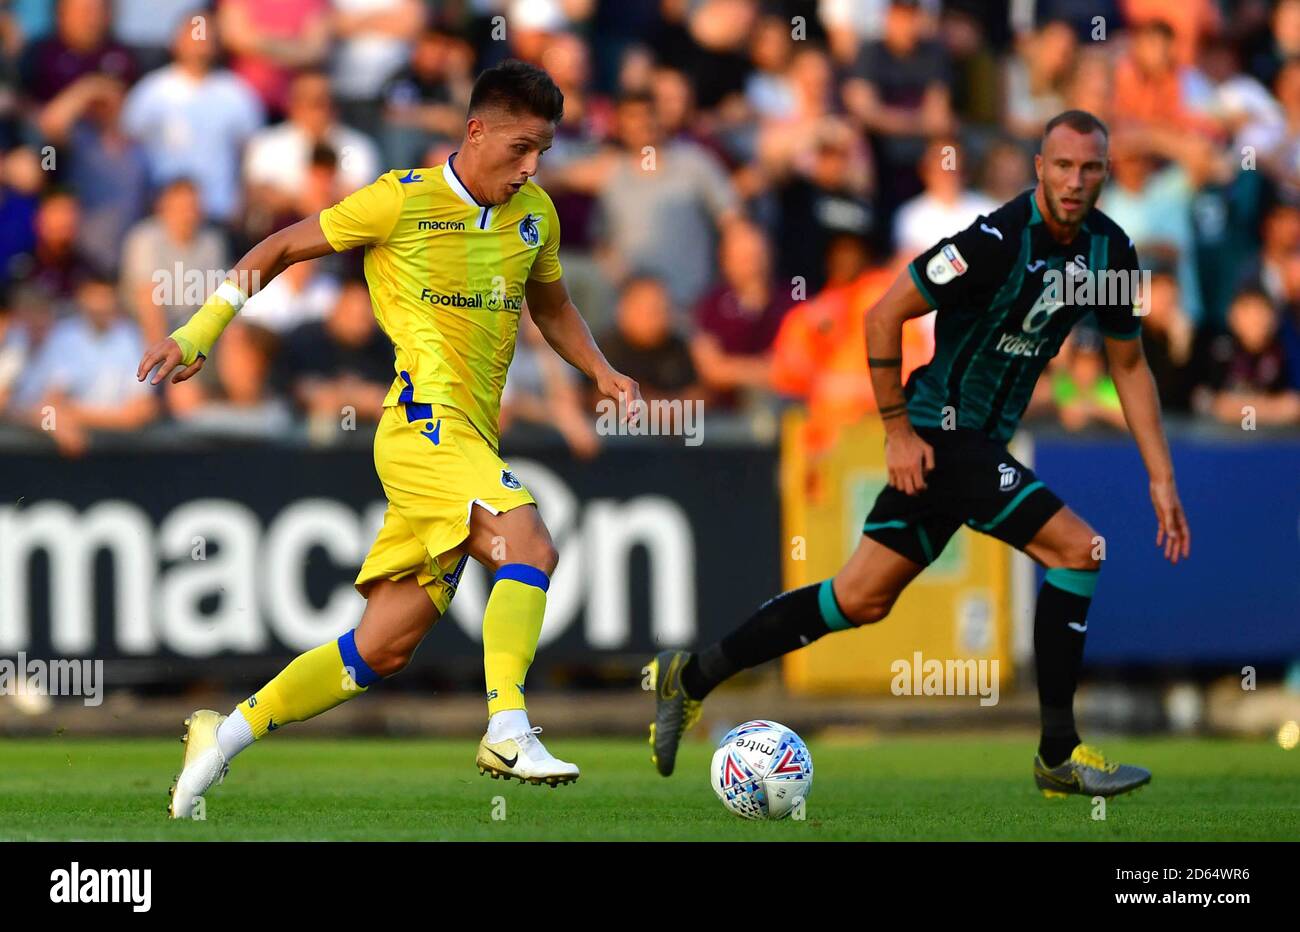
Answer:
(925, 408)
(920, 286)
(979, 413)
(986, 360)
(1035, 217)
(1022, 388)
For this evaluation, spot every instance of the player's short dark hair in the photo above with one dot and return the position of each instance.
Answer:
(517, 87)
(1081, 121)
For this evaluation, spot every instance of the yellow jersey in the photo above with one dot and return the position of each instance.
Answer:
(446, 277)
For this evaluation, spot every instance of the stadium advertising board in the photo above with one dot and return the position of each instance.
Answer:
(252, 551)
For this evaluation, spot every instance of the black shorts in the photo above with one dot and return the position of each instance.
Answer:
(975, 481)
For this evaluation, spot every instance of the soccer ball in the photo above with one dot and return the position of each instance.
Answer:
(761, 769)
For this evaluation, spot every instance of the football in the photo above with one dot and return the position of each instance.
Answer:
(762, 770)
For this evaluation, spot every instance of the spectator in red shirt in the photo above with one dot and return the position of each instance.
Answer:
(270, 42)
(644, 344)
(81, 45)
(1149, 83)
(55, 265)
(1190, 21)
(1249, 370)
(737, 321)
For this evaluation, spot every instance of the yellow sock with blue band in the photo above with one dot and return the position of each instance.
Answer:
(512, 625)
(312, 683)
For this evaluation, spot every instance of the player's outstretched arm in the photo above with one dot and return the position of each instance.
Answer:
(907, 456)
(566, 331)
(1141, 403)
(183, 352)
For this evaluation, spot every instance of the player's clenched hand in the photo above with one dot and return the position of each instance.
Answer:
(1173, 534)
(166, 355)
(908, 458)
(622, 390)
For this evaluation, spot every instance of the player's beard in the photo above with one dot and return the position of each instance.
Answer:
(1058, 210)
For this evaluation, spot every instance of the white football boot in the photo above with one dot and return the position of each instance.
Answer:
(525, 758)
(202, 766)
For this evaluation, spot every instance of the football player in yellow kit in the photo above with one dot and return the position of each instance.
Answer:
(452, 253)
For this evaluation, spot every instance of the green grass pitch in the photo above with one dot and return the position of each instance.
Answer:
(928, 788)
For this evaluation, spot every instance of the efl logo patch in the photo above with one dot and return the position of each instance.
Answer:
(953, 256)
(946, 265)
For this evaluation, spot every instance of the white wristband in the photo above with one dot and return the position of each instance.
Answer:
(230, 293)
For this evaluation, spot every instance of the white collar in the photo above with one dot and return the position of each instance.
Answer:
(486, 212)
(453, 181)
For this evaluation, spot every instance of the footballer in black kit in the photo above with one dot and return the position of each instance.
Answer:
(1000, 287)
(1007, 290)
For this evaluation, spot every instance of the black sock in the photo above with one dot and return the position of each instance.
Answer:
(1063, 602)
(783, 624)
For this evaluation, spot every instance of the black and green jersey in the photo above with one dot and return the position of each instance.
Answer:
(1007, 294)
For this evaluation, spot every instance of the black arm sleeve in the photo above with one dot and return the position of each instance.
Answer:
(966, 269)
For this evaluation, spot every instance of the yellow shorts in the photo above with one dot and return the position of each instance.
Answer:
(434, 466)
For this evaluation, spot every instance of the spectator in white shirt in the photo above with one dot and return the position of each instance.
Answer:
(373, 41)
(945, 207)
(193, 121)
(298, 295)
(83, 377)
(279, 156)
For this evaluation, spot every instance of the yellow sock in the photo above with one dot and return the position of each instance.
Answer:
(512, 623)
(312, 683)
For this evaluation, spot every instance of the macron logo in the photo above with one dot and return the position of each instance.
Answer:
(103, 885)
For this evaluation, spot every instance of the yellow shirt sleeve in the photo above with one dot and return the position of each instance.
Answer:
(366, 216)
(546, 267)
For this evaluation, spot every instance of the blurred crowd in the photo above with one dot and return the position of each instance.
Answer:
(737, 182)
